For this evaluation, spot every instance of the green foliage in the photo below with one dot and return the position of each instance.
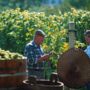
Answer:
(82, 21)
(80, 4)
(17, 28)
(23, 4)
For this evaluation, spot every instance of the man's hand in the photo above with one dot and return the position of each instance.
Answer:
(45, 57)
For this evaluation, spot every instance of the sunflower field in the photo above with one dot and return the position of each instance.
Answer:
(17, 28)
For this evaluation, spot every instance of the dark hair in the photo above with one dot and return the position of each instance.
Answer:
(87, 32)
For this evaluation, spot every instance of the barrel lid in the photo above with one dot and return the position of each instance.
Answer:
(73, 68)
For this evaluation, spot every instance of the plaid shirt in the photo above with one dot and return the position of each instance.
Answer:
(33, 52)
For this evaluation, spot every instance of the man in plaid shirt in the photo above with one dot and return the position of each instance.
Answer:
(35, 55)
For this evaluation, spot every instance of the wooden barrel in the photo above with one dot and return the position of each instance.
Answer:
(42, 84)
(73, 68)
(12, 73)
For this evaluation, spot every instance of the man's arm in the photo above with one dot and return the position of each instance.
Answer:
(28, 52)
(44, 57)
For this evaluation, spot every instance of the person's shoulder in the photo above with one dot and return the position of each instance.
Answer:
(30, 44)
